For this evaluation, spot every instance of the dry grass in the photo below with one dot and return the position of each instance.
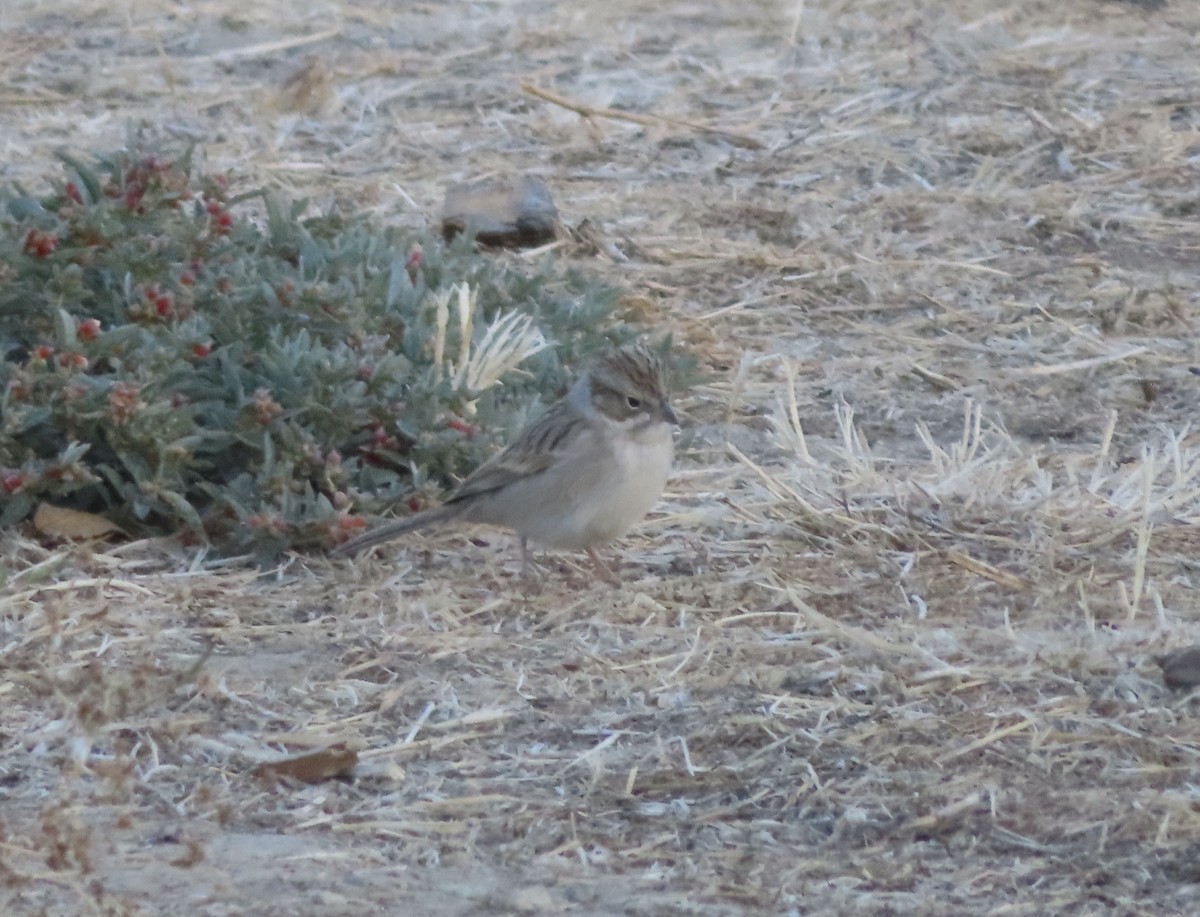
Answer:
(884, 649)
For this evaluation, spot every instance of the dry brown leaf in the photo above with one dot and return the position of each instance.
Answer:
(71, 523)
(326, 764)
(192, 854)
(308, 89)
(986, 570)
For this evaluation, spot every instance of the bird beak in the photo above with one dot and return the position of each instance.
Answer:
(669, 415)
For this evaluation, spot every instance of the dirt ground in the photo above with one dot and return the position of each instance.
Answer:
(886, 647)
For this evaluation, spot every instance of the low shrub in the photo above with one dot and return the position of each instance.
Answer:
(181, 356)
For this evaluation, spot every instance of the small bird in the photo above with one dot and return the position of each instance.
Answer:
(580, 475)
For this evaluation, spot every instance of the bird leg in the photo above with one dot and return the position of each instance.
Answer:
(528, 580)
(603, 570)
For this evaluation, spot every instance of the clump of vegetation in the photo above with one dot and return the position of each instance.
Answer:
(175, 365)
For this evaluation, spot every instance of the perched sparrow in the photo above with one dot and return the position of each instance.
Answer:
(580, 475)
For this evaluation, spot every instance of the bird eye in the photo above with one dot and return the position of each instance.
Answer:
(634, 403)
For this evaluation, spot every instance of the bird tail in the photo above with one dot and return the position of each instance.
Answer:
(396, 528)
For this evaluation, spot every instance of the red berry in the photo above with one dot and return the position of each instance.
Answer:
(201, 350)
(133, 200)
(351, 523)
(11, 480)
(285, 292)
(187, 279)
(40, 244)
(162, 304)
(88, 329)
(462, 427)
(221, 220)
(413, 263)
(44, 352)
(72, 191)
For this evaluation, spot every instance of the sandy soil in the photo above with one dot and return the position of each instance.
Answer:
(886, 646)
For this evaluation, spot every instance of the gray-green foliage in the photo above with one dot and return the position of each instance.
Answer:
(174, 365)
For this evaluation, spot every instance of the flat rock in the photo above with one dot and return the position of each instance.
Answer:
(503, 212)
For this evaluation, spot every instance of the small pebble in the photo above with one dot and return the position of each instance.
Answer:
(1181, 668)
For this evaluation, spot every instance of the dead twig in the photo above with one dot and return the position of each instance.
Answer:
(587, 111)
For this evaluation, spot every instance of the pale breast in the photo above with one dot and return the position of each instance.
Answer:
(636, 473)
(591, 495)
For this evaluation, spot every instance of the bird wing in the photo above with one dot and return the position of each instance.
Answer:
(536, 448)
